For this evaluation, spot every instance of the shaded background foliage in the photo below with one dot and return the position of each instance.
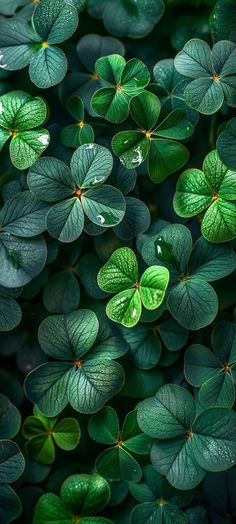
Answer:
(117, 424)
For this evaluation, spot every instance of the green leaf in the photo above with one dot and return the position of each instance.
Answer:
(50, 180)
(85, 494)
(24, 215)
(61, 293)
(189, 312)
(168, 414)
(65, 220)
(226, 144)
(10, 419)
(117, 463)
(132, 437)
(11, 462)
(10, 504)
(166, 156)
(175, 126)
(27, 146)
(200, 365)
(91, 165)
(21, 112)
(125, 308)
(120, 272)
(22, 259)
(10, 313)
(104, 206)
(50, 508)
(66, 433)
(145, 109)
(153, 285)
(104, 427)
(55, 22)
(17, 44)
(132, 147)
(149, 511)
(48, 67)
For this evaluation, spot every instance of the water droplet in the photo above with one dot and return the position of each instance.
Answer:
(44, 139)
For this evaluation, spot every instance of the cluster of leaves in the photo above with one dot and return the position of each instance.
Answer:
(117, 261)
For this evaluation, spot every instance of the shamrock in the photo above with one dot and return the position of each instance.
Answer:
(191, 299)
(131, 18)
(81, 497)
(84, 374)
(11, 467)
(214, 371)
(22, 44)
(160, 501)
(77, 192)
(152, 141)
(79, 133)
(226, 144)
(20, 114)
(120, 275)
(212, 74)
(212, 191)
(117, 461)
(123, 81)
(42, 432)
(188, 445)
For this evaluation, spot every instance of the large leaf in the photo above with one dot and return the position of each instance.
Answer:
(48, 67)
(55, 22)
(120, 272)
(24, 215)
(11, 461)
(91, 165)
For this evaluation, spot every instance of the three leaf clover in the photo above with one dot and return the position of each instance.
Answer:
(123, 81)
(191, 299)
(79, 133)
(188, 445)
(84, 373)
(43, 433)
(213, 191)
(117, 461)
(214, 371)
(120, 275)
(212, 73)
(160, 501)
(152, 140)
(77, 191)
(22, 44)
(81, 497)
(20, 114)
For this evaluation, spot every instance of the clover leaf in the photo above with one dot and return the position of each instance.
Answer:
(169, 88)
(79, 133)
(77, 192)
(187, 445)
(212, 190)
(117, 461)
(226, 144)
(83, 495)
(84, 374)
(120, 275)
(191, 299)
(22, 44)
(10, 311)
(123, 81)
(20, 114)
(159, 499)
(11, 467)
(212, 73)
(214, 371)
(43, 433)
(131, 18)
(156, 142)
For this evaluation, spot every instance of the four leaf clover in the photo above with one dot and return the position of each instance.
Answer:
(214, 371)
(123, 81)
(20, 114)
(212, 190)
(212, 74)
(84, 373)
(77, 192)
(120, 275)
